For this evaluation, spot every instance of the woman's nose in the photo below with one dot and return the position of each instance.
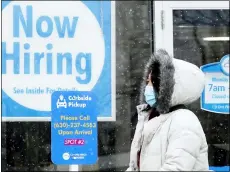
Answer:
(149, 82)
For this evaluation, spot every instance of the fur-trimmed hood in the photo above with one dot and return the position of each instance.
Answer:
(178, 81)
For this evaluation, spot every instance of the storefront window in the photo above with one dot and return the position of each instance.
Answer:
(202, 37)
(26, 145)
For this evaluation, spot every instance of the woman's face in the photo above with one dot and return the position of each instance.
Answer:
(149, 81)
(150, 96)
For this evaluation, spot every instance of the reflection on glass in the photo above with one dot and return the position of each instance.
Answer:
(201, 37)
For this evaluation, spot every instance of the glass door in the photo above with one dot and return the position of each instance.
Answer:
(198, 32)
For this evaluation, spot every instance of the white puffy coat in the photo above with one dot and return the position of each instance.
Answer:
(172, 141)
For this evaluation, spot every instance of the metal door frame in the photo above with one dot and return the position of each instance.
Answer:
(163, 18)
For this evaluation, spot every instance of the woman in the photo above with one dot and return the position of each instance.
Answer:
(169, 137)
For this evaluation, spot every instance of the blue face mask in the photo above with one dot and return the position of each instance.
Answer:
(150, 96)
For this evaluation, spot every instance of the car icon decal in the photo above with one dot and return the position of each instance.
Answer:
(61, 102)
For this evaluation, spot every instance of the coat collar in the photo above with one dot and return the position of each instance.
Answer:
(151, 128)
(144, 132)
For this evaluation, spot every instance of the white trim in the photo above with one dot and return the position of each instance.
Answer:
(166, 41)
(197, 5)
(1, 78)
(168, 29)
(25, 119)
(74, 168)
(158, 32)
(113, 65)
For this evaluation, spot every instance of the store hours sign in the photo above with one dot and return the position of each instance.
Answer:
(215, 97)
(50, 46)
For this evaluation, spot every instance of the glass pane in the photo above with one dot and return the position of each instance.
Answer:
(133, 48)
(192, 30)
(26, 145)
